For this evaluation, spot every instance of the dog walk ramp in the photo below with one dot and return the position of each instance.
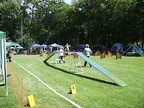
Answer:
(101, 69)
(49, 56)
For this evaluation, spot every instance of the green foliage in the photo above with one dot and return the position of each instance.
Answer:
(85, 21)
(9, 19)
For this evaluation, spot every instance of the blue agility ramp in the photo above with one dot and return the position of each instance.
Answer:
(134, 50)
(138, 49)
(101, 69)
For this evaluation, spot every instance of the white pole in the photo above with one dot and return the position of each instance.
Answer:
(4, 64)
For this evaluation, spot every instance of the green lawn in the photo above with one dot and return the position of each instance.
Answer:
(93, 89)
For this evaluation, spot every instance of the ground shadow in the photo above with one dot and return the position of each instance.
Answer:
(94, 79)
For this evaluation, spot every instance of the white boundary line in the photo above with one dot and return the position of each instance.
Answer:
(73, 103)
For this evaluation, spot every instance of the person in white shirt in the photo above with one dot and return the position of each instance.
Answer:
(87, 52)
(61, 55)
(67, 47)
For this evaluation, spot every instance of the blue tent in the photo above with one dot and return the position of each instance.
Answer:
(44, 46)
(80, 47)
(117, 47)
(35, 46)
(54, 45)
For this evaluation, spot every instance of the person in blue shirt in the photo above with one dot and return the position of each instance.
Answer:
(87, 52)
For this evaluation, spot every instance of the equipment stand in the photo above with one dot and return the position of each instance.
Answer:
(75, 64)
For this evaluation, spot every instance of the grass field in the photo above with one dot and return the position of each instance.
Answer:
(50, 82)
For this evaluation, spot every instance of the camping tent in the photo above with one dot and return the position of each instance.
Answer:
(80, 47)
(133, 50)
(117, 47)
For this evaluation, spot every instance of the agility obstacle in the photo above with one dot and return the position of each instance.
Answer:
(138, 49)
(103, 55)
(134, 50)
(76, 63)
(109, 54)
(97, 53)
(95, 65)
(101, 69)
(49, 56)
(118, 55)
(3, 60)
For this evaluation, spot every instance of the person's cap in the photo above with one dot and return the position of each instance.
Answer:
(87, 45)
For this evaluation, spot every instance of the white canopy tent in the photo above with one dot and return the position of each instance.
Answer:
(13, 45)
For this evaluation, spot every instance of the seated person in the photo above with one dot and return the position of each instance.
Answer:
(8, 56)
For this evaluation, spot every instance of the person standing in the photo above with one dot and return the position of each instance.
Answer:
(67, 47)
(87, 52)
(61, 55)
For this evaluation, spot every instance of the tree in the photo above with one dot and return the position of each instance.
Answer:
(9, 18)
